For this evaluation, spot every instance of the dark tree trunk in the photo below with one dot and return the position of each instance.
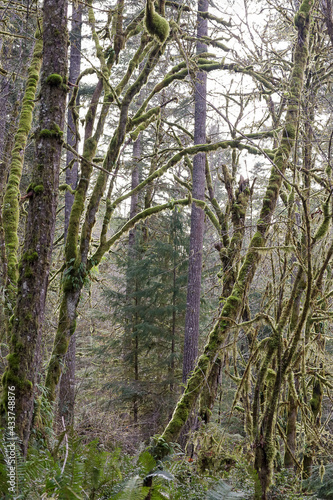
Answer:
(197, 215)
(130, 286)
(67, 381)
(27, 321)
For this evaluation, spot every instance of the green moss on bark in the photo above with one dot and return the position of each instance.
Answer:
(156, 25)
(12, 193)
(54, 80)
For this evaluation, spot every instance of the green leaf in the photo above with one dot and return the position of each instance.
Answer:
(146, 461)
(133, 490)
(163, 474)
(222, 491)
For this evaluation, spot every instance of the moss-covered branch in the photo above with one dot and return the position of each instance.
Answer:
(12, 193)
(211, 17)
(144, 214)
(192, 150)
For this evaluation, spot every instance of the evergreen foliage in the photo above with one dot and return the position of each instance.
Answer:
(150, 311)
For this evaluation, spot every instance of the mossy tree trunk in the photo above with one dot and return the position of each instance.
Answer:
(4, 172)
(67, 382)
(27, 320)
(229, 251)
(12, 193)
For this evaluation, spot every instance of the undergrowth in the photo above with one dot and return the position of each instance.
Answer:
(71, 469)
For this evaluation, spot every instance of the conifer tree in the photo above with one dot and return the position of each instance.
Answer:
(197, 215)
(152, 311)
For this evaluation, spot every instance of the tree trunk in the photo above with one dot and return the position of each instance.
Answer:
(67, 381)
(130, 286)
(27, 321)
(290, 452)
(197, 214)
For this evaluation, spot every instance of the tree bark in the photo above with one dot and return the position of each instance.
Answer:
(197, 215)
(27, 321)
(133, 286)
(67, 381)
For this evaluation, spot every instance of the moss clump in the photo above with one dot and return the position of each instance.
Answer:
(155, 24)
(66, 187)
(39, 188)
(46, 133)
(55, 132)
(36, 188)
(13, 361)
(257, 239)
(30, 256)
(54, 80)
(303, 13)
(89, 148)
(289, 131)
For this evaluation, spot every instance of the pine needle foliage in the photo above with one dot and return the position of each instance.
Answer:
(148, 305)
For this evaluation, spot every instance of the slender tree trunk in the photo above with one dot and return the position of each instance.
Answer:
(24, 359)
(197, 214)
(4, 171)
(290, 452)
(130, 286)
(67, 381)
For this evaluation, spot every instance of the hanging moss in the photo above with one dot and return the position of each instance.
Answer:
(156, 25)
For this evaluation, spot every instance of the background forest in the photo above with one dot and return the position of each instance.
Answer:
(166, 249)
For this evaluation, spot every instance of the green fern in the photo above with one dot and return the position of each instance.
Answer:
(133, 490)
(147, 462)
(222, 491)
